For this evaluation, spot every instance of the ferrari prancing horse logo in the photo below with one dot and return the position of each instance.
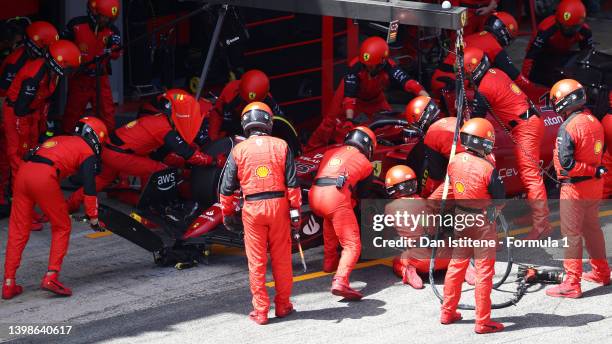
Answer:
(567, 16)
(366, 57)
(252, 95)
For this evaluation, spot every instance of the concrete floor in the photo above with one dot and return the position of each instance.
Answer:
(120, 296)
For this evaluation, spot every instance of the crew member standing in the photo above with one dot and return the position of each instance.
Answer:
(38, 36)
(254, 86)
(496, 92)
(474, 182)
(38, 183)
(500, 30)
(552, 46)
(129, 148)
(262, 167)
(29, 95)
(344, 172)
(362, 89)
(99, 40)
(578, 160)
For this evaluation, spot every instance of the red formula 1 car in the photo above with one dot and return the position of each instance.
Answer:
(182, 232)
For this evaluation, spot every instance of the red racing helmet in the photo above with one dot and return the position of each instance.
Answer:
(63, 56)
(478, 135)
(421, 112)
(105, 8)
(476, 63)
(503, 26)
(93, 131)
(567, 96)
(362, 138)
(183, 111)
(570, 13)
(39, 36)
(374, 51)
(400, 181)
(254, 86)
(257, 116)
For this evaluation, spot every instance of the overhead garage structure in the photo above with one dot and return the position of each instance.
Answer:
(402, 12)
(407, 12)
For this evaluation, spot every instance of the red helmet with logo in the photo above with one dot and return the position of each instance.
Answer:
(421, 112)
(478, 135)
(39, 36)
(374, 51)
(570, 13)
(63, 56)
(183, 111)
(567, 96)
(400, 181)
(503, 26)
(254, 86)
(106, 8)
(257, 116)
(93, 131)
(362, 138)
(476, 63)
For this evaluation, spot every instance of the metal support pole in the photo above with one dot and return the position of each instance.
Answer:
(352, 39)
(211, 49)
(99, 90)
(327, 63)
(419, 55)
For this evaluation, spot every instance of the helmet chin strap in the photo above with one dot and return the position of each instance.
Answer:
(256, 132)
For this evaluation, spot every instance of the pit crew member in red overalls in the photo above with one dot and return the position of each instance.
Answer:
(99, 40)
(422, 113)
(128, 149)
(496, 91)
(38, 183)
(38, 36)
(474, 182)
(27, 102)
(344, 172)
(401, 185)
(263, 168)
(500, 30)
(577, 157)
(362, 89)
(555, 40)
(253, 86)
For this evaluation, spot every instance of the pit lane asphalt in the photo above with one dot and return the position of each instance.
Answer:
(120, 296)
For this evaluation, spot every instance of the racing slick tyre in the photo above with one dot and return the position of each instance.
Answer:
(205, 179)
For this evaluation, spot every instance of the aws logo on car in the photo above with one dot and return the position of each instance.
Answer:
(166, 181)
